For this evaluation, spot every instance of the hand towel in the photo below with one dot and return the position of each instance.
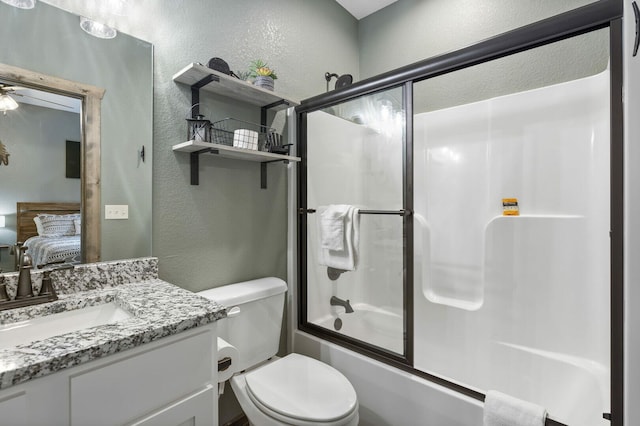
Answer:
(332, 219)
(345, 258)
(505, 410)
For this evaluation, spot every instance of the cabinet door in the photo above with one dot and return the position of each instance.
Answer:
(127, 389)
(195, 410)
(13, 409)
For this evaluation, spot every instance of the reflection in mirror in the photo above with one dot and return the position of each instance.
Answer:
(49, 42)
(40, 131)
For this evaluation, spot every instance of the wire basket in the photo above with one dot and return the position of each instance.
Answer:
(240, 134)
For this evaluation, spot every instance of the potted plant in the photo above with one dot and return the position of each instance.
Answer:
(263, 75)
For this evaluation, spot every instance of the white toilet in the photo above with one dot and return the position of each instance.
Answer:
(293, 390)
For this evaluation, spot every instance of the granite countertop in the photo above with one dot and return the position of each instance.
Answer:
(157, 309)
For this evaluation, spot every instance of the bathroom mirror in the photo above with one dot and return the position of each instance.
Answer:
(48, 109)
(48, 44)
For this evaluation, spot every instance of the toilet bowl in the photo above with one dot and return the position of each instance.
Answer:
(296, 390)
(292, 390)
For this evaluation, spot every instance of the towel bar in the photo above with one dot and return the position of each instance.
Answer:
(401, 212)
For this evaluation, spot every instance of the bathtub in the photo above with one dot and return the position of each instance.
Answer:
(377, 326)
(388, 396)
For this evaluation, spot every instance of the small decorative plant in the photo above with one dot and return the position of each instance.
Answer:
(258, 68)
(243, 75)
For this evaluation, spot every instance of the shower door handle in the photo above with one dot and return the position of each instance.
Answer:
(636, 13)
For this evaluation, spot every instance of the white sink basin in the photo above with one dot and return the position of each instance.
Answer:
(27, 331)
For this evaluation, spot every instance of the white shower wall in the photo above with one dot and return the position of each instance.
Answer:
(518, 304)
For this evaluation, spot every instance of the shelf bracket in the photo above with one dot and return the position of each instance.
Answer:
(194, 159)
(195, 93)
(263, 175)
(263, 171)
(264, 109)
(195, 165)
(263, 122)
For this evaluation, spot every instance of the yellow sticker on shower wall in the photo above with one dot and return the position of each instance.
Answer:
(510, 207)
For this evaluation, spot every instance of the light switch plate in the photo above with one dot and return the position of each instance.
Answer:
(116, 211)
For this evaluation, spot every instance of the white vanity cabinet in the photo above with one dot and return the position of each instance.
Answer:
(171, 381)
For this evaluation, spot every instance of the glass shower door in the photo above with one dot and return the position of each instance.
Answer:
(355, 159)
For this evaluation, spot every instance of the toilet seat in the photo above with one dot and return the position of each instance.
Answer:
(303, 391)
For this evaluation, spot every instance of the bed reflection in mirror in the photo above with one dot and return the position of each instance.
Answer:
(36, 133)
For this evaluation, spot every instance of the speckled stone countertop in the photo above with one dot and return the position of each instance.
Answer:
(158, 309)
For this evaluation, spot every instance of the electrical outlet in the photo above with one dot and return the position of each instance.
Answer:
(115, 211)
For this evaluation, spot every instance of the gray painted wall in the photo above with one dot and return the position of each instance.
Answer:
(411, 30)
(227, 229)
(48, 40)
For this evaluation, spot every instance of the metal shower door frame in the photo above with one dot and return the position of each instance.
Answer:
(594, 16)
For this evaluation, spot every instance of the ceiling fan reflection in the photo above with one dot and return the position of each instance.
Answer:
(7, 94)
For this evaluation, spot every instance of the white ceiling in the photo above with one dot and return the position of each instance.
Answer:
(361, 8)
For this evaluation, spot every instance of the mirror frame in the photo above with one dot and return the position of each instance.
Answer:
(91, 97)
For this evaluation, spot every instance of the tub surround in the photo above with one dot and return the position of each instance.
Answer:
(158, 309)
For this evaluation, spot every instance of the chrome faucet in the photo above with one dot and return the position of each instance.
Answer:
(339, 302)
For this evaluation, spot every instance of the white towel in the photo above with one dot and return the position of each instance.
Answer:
(331, 221)
(505, 410)
(338, 236)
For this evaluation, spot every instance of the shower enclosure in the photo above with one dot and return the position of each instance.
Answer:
(487, 199)
(355, 156)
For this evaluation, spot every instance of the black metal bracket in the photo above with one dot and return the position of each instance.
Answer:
(264, 109)
(195, 110)
(194, 159)
(263, 171)
(195, 93)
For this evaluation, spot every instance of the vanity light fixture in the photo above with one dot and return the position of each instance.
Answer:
(22, 4)
(7, 103)
(96, 29)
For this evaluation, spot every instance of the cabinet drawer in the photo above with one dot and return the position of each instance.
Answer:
(127, 389)
(194, 410)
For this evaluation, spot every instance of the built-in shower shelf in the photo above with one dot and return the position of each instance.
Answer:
(197, 148)
(196, 75)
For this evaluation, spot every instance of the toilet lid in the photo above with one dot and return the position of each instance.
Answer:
(303, 388)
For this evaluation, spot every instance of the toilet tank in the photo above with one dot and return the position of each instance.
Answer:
(254, 318)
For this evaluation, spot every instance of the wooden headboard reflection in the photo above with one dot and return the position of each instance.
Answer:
(25, 225)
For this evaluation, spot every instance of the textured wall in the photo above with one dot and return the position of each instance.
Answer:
(411, 30)
(429, 28)
(227, 229)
